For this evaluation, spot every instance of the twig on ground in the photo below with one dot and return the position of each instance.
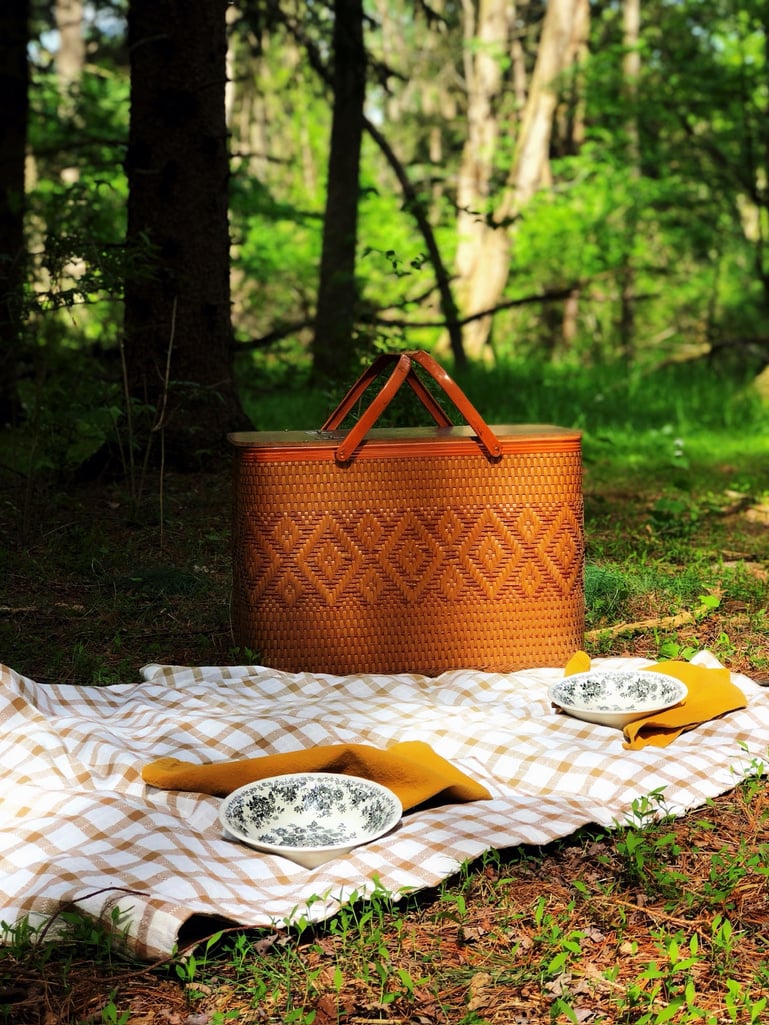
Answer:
(664, 623)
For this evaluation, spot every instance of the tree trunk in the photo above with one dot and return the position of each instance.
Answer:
(484, 283)
(481, 255)
(70, 53)
(178, 330)
(14, 88)
(334, 342)
(570, 118)
(531, 167)
(418, 211)
(631, 69)
(570, 128)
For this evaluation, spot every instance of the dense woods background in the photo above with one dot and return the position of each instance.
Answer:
(200, 200)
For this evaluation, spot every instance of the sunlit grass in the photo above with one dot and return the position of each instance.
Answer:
(688, 426)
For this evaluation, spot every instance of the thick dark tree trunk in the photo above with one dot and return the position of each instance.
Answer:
(14, 89)
(178, 330)
(334, 343)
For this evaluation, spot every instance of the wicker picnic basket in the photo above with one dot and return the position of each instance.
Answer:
(418, 550)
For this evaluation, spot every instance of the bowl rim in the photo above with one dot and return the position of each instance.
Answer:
(644, 707)
(394, 819)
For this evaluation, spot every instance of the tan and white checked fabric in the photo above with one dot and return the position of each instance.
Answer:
(78, 823)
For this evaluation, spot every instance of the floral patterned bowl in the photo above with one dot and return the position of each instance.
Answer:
(616, 698)
(309, 817)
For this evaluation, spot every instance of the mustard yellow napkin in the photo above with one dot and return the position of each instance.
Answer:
(711, 694)
(411, 769)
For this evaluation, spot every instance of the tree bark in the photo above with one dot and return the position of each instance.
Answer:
(480, 258)
(334, 341)
(70, 53)
(14, 88)
(413, 202)
(531, 166)
(418, 211)
(178, 330)
(570, 118)
(570, 128)
(631, 69)
(484, 282)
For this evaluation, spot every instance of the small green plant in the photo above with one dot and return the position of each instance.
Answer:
(754, 783)
(723, 943)
(723, 647)
(666, 989)
(17, 936)
(298, 1016)
(673, 650)
(558, 944)
(708, 603)
(742, 1007)
(110, 1014)
(648, 848)
(674, 516)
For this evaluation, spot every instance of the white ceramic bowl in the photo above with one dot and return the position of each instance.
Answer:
(616, 697)
(309, 817)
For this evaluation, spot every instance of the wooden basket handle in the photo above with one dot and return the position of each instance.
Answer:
(404, 371)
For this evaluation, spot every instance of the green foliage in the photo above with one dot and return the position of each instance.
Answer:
(76, 208)
(685, 214)
(276, 255)
(648, 847)
(69, 414)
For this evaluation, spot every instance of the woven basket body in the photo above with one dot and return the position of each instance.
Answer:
(419, 554)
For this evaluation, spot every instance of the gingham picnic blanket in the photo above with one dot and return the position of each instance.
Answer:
(78, 824)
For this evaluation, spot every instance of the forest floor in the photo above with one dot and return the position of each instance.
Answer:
(95, 583)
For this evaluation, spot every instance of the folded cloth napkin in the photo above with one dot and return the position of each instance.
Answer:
(711, 694)
(411, 769)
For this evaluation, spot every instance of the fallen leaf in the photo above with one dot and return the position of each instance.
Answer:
(481, 991)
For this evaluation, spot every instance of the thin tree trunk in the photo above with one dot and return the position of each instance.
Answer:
(571, 130)
(531, 166)
(334, 341)
(484, 282)
(69, 58)
(631, 69)
(14, 88)
(417, 209)
(178, 331)
(69, 61)
(570, 320)
(570, 119)
(480, 258)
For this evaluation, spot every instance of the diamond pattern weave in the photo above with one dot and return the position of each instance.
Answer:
(409, 564)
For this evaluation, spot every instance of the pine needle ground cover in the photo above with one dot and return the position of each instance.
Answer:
(660, 920)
